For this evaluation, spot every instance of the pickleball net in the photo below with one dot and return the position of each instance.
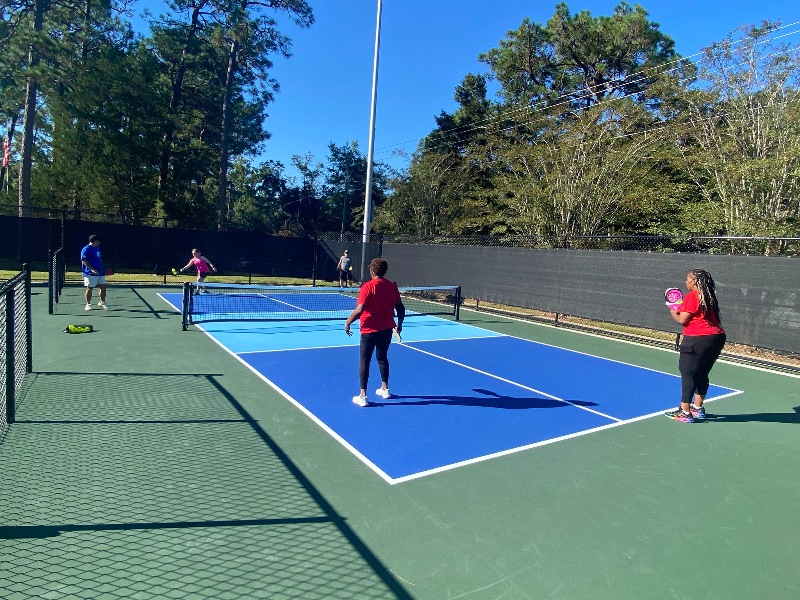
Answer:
(208, 302)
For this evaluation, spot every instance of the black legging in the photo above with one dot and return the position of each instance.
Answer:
(379, 341)
(698, 354)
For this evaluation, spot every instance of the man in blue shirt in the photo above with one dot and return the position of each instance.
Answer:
(93, 276)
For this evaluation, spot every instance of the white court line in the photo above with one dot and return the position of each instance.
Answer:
(353, 345)
(525, 387)
(621, 362)
(479, 459)
(307, 412)
(282, 302)
(613, 339)
(478, 337)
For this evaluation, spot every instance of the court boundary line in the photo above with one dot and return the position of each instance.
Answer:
(613, 339)
(486, 457)
(393, 481)
(621, 362)
(355, 344)
(305, 411)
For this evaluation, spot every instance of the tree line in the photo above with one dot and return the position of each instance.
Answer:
(598, 126)
(601, 128)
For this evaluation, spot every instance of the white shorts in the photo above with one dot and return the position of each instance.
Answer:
(91, 281)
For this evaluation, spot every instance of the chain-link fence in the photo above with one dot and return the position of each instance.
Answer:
(15, 341)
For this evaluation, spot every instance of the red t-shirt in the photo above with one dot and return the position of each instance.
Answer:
(698, 324)
(378, 297)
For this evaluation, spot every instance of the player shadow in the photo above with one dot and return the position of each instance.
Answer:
(487, 399)
(762, 417)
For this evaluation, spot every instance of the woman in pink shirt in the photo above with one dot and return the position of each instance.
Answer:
(701, 345)
(201, 263)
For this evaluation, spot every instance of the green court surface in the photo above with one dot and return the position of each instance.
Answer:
(147, 462)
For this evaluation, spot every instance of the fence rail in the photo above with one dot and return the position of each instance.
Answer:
(16, 357)
(760, 245)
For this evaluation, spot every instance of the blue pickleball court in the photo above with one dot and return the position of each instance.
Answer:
(461, 394)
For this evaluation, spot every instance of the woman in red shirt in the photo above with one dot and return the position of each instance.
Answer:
(701, 345)
(377, 301)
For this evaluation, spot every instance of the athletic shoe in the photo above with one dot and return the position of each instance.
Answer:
(679, 415)
(383, 393)
(361, 400)
(88, 307)
(698, 413)
(102, 305)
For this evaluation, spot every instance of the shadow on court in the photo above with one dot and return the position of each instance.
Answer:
(762, 417)
(124, 301)
(159, 485)
(488, 399)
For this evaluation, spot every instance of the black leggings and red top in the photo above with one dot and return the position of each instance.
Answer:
(380, 298)
(702, 343)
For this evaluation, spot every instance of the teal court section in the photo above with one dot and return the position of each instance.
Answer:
(261, 336)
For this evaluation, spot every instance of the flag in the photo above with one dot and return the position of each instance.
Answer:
(6, 151)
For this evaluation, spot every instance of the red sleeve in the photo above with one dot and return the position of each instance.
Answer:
(364, 293)
(691, 304)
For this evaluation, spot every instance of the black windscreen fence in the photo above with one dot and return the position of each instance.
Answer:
(157, 250)
(329, 252)
(758, 295)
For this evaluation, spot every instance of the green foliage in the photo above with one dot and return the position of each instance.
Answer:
(601, 128)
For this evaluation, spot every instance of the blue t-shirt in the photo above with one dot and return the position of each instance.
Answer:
(91, 255)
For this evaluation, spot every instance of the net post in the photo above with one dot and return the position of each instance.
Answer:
(10, 357)
(187, 294)
(28, 318)
(50, 282)
(458, 303)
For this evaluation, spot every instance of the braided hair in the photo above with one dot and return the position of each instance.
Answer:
(704, 284)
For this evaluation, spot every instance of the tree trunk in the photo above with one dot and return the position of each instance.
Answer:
(222, 209)
(169, 126)
(29, 118)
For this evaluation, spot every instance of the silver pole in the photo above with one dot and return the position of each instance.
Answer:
(371, 148)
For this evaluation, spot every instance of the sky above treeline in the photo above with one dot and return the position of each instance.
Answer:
(426, 49)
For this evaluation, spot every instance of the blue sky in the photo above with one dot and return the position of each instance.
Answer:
(426, 49)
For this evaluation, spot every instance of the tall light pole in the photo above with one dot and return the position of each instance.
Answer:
(344, 204)
(371, 148)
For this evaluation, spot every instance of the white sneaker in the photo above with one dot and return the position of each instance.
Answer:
(383, 393)
(102, 305)
(88, 307)
(361, 400)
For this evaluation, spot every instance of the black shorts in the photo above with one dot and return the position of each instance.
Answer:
(345, 275)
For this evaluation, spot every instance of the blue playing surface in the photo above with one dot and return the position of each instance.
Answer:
(460, 393)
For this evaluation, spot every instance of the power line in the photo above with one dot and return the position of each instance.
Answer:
(637, 77)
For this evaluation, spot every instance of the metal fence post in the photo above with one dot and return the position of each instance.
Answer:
(10, 357)
(28, 318)
(50, 282)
